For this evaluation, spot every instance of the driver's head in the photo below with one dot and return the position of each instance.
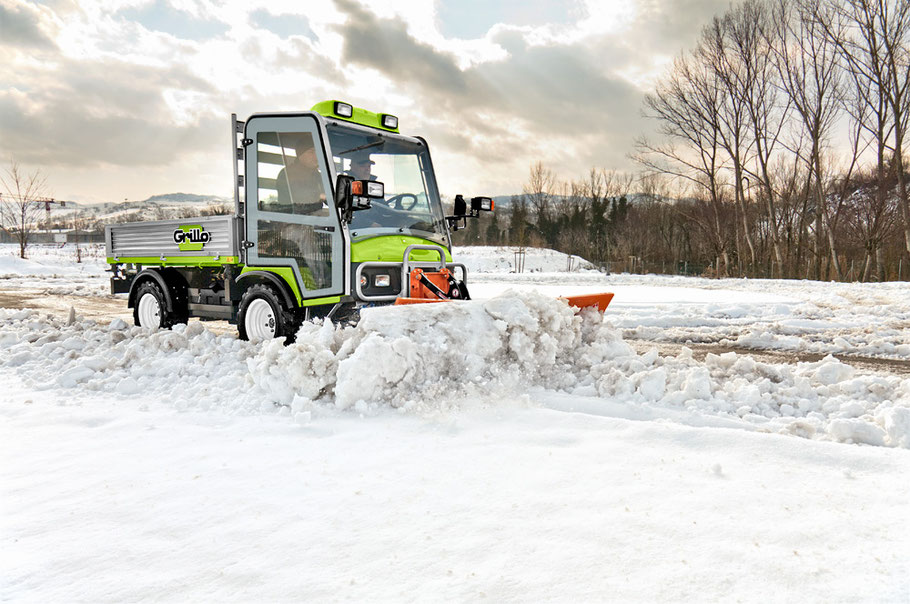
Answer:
(361, 167)
(304, 150)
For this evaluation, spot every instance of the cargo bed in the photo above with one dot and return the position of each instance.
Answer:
(198, 240)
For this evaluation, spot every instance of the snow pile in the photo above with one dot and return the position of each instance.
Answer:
(868, 319)
(813, 400)
(432, 359)
(54, 270)
(489, 259)
(52, 260)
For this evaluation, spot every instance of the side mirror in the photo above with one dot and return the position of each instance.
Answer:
(461, 208)
(353, 195)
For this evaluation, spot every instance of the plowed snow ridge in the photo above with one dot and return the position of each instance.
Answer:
(434, 359)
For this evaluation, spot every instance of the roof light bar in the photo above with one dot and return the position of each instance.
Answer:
(389, 121)
(343, 109)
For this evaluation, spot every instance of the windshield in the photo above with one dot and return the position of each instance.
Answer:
(411, 204)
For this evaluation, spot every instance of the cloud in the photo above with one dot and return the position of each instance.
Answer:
(148, 85)
(473, 18)
(556, 103)
(283, 25)
(87, 114)
(21, 25)
(161, 16)
(673, 27)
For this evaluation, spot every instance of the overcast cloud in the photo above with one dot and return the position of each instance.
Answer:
(129, 98)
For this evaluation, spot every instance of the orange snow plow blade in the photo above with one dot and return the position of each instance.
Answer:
(418, 300)
(428, 287)
(601, 301)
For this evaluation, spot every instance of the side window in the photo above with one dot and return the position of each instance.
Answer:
(288, 174)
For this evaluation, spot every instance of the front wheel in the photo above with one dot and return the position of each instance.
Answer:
(263, 315)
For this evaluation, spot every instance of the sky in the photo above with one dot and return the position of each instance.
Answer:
(124, 99)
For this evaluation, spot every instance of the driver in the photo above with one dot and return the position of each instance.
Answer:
(300, 189)
(362, 167)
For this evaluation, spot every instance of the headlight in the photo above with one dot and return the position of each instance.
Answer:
(382, 281)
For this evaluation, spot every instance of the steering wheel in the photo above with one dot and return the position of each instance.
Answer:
(397, 202)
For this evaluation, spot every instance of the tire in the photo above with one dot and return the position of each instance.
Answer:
(150, 309)
(263, 315)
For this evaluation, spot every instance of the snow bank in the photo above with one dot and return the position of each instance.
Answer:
(489, 259)
(52, 260)
(433, 359)
(859, 319)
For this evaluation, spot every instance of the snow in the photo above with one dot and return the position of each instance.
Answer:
(507, 448)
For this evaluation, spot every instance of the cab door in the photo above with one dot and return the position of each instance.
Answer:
(291, 218)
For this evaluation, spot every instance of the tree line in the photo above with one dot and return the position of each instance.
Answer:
(779, 153)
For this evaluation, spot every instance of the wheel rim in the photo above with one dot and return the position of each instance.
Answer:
(149, 311)
(260, 320)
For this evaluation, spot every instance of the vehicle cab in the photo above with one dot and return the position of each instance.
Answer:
(296, 166)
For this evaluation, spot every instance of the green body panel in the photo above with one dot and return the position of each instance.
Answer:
(207, 261)
(287, 274)
(390, 248)
(360, 116)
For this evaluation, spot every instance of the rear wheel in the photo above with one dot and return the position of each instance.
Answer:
(150, 309)
(263, 315)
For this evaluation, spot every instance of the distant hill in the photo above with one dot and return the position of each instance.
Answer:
(157, 207)
(168, 198)
(505, 201)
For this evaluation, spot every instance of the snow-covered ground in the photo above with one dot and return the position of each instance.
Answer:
(506, 448)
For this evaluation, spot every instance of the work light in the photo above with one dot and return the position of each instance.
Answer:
(389, 121)
(343, 109)
(482, 203)
(375, 189)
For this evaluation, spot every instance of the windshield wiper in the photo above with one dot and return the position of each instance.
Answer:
(362, 147)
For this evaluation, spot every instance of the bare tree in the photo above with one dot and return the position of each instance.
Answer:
(539, 191)
(810, 75)
(687, 104)
(870, 220)
(717, 50)
(21, 203)
(873, 37)
(894, 23)
(750, 31)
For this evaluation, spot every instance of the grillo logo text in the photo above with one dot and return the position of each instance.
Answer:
(193, 235)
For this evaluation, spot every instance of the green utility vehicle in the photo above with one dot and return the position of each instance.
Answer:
(339, 211)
